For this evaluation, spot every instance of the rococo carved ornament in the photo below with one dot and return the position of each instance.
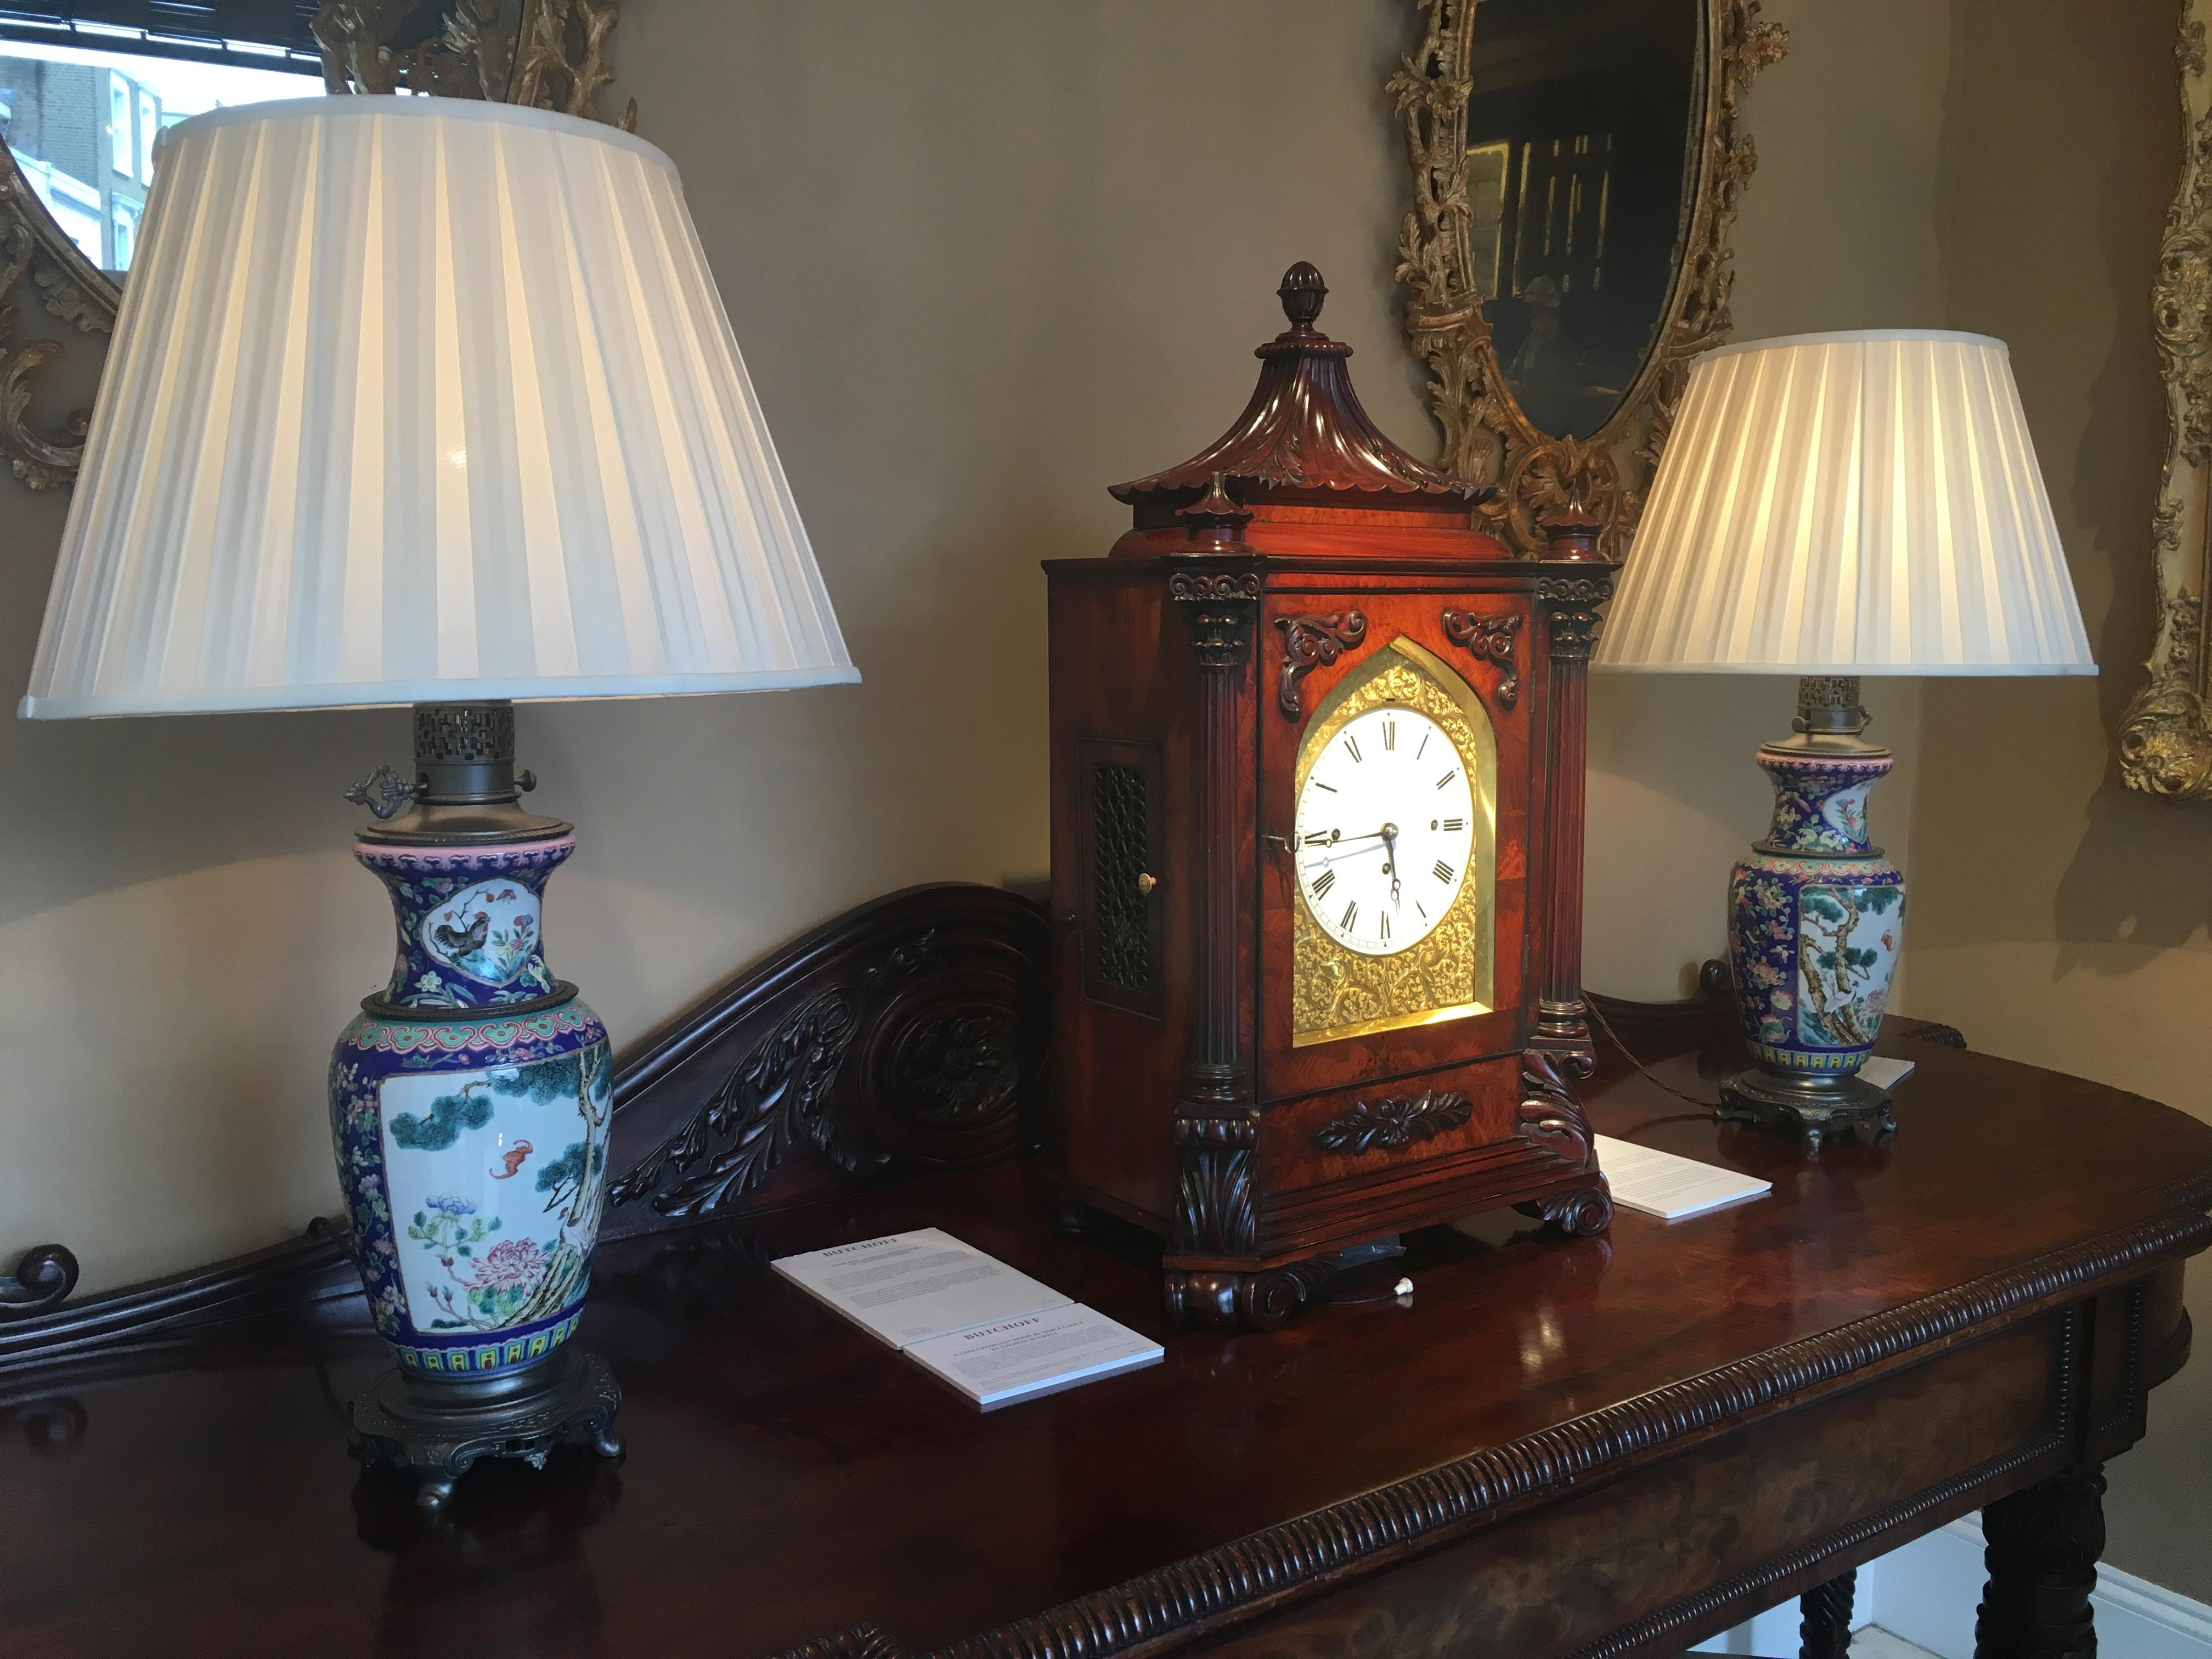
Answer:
(1313, 642)
(41, 269)
(1489, 639)
(2166, 736)
(1488, 439)
(547, 54)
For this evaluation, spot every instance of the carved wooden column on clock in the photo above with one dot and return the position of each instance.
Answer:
(1569, 606)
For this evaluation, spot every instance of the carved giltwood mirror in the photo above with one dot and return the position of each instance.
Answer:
(80, 119)
(2166, 736)
(1576, 167)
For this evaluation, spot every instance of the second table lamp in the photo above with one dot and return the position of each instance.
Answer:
(1832, 505)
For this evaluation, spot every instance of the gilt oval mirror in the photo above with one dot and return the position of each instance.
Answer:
(80, 108)
(1575, 164)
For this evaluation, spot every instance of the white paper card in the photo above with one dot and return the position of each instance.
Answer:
(909, 1287)
(1041, 1354)
(1882, 1073)
(1660, 1183)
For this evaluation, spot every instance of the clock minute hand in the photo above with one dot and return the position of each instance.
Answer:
(1390, 833)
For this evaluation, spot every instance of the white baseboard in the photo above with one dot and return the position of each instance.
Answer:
(1926, 1593)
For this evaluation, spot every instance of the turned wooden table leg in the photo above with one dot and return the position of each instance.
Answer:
(1826, 1632)
(2043, 1549)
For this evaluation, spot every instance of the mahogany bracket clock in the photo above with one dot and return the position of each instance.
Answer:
(1317, 753)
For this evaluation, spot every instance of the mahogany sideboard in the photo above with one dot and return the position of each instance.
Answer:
(1609, 1446)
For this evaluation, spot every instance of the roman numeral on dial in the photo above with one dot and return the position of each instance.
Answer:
(1324, 882)
(1352, 744)
(1350, 911)
(1443, 872)
(1455, 824)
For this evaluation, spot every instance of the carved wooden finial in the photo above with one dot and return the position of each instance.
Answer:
(1301, 293)
(1572, 532)
(1216, 517)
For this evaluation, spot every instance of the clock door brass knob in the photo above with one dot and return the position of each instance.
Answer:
(1146, 883)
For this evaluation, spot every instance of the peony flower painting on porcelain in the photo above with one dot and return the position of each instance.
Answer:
(495, 1180)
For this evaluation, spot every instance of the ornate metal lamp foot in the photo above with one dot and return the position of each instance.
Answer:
(438, 1431)
(1812, 1104)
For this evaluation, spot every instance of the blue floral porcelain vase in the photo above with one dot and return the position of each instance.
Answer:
(1816, 915)
(470, 1119)
(469, 1106)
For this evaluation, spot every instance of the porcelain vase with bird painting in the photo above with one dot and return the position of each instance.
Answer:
(1815, 914)
(469, 1104)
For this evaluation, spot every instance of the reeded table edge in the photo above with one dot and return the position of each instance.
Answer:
(1269, 1569)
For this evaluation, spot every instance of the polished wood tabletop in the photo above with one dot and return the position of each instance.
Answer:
(787, 1477)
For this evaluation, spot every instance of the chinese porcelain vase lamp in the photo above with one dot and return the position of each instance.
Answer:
(433, 402)
(1833, 506)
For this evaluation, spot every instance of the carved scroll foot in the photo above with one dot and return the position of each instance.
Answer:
(1582, 1213)
(1206, 1298)
(2043, 1549)
(1825, 1632)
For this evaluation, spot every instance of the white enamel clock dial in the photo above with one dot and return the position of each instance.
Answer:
(1385, 830)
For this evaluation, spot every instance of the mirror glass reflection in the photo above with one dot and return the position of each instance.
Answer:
(1581, 158)
(83, 121)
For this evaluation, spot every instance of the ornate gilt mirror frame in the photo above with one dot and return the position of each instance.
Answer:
(549, 53)
(1487, 437)
(2166, 736)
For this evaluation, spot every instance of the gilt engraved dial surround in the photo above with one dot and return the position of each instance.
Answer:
(1347, 979)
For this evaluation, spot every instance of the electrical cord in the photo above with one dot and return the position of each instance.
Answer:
(1653, 1077)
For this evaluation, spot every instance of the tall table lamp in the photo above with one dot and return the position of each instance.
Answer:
(428, 401)
(1832, 505)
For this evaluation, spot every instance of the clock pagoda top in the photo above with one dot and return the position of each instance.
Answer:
(1303, 438)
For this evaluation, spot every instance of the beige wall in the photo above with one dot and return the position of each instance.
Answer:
(2058, 917)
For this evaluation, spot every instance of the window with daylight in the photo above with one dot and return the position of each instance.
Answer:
(118, 122)
(84, 121)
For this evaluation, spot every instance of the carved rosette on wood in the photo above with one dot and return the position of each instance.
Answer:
(1487, 438)
(1311, 642)
(1491, 640)
(2166, 735)
(910, 1034)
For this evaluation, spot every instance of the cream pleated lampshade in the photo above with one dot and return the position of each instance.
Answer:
(416, 399)
(1864, 503)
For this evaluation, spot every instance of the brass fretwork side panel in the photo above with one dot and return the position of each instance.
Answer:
(1337, 993)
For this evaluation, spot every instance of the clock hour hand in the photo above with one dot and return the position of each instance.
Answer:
(1390, 833)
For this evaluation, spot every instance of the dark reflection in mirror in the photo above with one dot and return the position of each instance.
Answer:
(1580, 161)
